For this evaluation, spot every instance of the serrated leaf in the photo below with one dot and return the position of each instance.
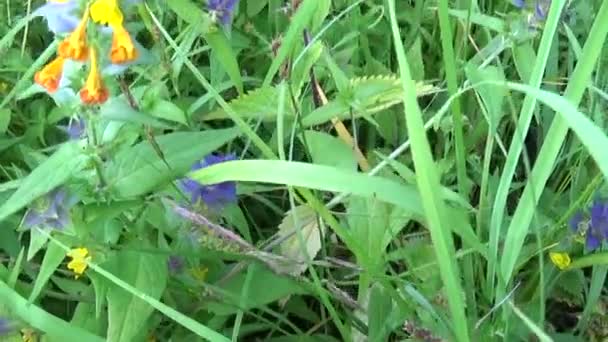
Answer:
(364, 96)
(137, 170)
(306, 220)
(260, 103)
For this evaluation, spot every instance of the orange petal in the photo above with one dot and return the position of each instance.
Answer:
(94, 90)
(50, 75)
(123, 50)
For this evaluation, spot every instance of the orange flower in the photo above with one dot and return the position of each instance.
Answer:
(94, 91)
(123, 50)
(74, 46)
(50, 75)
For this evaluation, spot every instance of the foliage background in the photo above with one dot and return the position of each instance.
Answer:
(460, 111)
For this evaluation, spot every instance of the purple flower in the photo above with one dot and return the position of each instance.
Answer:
(595, 228)
(59, 15)
(175, 263)
(214, 195)
(222, 9)
(519, 3)
(76, 128)
(50, 211)
(5, 326)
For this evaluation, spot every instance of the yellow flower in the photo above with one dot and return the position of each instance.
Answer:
(561, 260)
(79, 261)
(106, 12)
(94, 91)
(123, 49)
(74, 46)
(50, 75)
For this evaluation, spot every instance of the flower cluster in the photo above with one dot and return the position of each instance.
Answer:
(214, 195)
(595, 229)
(78, 46)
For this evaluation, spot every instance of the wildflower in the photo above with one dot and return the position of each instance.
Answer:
(123, 49)
(213, 195)
(79, 263)
(51, 210)
(222, 9)
(76, 128)
(539, 9)
(106, 12)
(50, 75)
(559, 259)
(94, 91)
(75, 46)
(594, 229)
(5, 326)
(175, 263)
(59, 15)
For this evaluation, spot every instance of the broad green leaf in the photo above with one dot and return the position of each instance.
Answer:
(265, 287)
(117, 109)
(492, 96)
(54, 171)
(84, 317)
(368, 222)
(52, 259)
(127, 312)
(329, 150)
(169, 111)
(138, 170)
(260, 103)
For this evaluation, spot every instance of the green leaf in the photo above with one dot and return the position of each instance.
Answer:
(52, 259)
(492, 96)
(265, 287)
(54, 171)
(187, 10)
(55, 328)
(260, 103)
(117, 109)
(169, 111)
(138, 170)
(380, 308)
(225, 54)
(329, 150)
(127, 312)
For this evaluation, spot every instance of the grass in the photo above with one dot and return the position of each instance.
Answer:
(402, 171)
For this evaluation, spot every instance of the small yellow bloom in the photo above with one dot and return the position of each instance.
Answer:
(123, 49)
(561, 260)
(106, 12)
(94, 91)
(50, 75)
(75, 46)
(79, 261)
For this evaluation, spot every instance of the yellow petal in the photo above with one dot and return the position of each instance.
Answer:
(561, 260)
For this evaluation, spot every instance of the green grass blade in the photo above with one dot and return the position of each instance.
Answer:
(556, 135)
(428, 184)
(515, 149)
